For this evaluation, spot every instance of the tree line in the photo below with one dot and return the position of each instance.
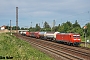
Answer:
(66, 27)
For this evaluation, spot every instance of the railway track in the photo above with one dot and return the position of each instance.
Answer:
(60, 54)
(61, 51)
(77, 52)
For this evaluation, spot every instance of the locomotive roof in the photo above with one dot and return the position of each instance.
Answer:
(68, 33)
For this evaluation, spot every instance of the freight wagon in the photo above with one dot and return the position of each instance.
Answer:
(40, 35)
(32, 34)
(27, 33)
(50, 35)
(24, 33)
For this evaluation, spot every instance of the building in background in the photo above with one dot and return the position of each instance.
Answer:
(3, 27)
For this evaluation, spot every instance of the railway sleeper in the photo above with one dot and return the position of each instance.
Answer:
(58, 52)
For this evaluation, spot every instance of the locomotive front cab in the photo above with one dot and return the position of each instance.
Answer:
(76, 39)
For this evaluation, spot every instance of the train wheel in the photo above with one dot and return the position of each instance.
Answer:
(65, 43)
(54, 39)
(77, 44)
(69, 44)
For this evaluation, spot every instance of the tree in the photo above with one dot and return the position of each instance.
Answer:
(65, 27)
(88, 29)
(77, 30)
(70, 26)
(37, 28)
(8, 27)
(22, 28)
(46, 25)
(31, 29)
(76, 24)
(14, 28)
(55, 28)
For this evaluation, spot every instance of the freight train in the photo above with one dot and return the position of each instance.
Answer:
(66, 38)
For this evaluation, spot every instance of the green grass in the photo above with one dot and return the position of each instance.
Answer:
(83, 45)
(83, 40)
(19, 49)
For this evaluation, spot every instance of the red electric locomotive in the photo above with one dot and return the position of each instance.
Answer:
(69, 38)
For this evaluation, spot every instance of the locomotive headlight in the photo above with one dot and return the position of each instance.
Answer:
(78, 39)
(74, 39)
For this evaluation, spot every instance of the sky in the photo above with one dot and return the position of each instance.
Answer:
(39, 11)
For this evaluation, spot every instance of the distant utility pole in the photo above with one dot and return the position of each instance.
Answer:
(10, 28)
(53, 25)
(16, 19)
(39, 24)
(42, 24)
(31, 24)
(85, 28)
(88, 14)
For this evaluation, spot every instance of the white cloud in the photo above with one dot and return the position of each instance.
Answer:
(42, 9)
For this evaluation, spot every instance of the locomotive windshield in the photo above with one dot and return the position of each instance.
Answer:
(76, 36)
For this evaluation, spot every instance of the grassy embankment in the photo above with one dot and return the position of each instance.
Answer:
(10, 46)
